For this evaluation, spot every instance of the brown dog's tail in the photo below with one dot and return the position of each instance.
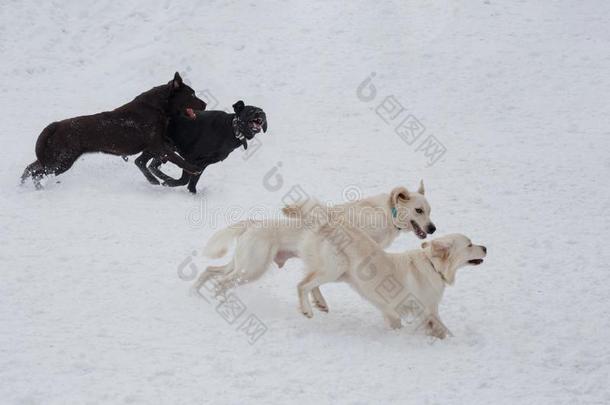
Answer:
(41, 143)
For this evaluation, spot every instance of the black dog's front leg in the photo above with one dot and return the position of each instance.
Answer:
(154, 168)
(193, 183)
(183, 180)
(194, 179)
(180, 162)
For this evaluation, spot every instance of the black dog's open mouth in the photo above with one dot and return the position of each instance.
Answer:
(256, 125)
(418, 231)
(476, 262)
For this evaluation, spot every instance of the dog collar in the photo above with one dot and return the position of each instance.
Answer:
(237, 132)
(394, 215)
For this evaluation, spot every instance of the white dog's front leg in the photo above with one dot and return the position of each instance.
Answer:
(318, 300)
(303, 292)
(436, 328)
(311, 281)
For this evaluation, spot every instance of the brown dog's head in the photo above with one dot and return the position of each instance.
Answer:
(411, 211)
(182, 97)
(450, 252)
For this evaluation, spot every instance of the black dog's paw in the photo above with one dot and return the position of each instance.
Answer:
(192, 190)
(153, 181)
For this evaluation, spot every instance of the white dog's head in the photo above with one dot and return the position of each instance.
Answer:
(411, 211)
(450, 252)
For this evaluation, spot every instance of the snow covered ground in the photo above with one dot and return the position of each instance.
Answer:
(92, 308)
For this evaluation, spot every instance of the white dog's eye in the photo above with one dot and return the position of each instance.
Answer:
(419, 210)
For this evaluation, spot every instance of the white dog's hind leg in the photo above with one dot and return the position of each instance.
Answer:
(311, 281)
(250, 264)
(211, 272)
(318, 299)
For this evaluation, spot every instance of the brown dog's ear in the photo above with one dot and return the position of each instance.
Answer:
(421, 190)
(398, 193)
(238, 107)
(440, 249)
(177, 81)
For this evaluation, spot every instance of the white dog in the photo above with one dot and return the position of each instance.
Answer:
(260, 242)
(409, 284)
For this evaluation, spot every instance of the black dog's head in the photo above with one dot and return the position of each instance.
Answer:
(251, 119)
(182, 97)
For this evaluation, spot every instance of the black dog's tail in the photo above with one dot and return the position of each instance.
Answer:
(41, 143)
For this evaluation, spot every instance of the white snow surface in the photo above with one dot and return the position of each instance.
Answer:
(92, 309)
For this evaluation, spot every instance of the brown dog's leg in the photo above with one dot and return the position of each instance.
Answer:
(141, 163)
(180, 162)
(34, 170)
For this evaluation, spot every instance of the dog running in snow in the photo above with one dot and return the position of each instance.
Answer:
(207, 137)
(419, 276)
(259, 243)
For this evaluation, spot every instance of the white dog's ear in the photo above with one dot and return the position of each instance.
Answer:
(440, 249)
(399, 193)
(421, 190)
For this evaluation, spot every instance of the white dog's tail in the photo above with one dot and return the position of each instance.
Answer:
(311, 206)
(218, 244)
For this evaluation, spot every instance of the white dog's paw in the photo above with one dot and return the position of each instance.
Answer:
(307, 312)
(393, 322)
(437, 330)
(321, 306)
(439, 334)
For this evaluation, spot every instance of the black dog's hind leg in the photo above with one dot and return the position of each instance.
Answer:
(154, 168)
(141, 163)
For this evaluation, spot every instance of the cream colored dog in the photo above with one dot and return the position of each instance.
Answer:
(408, 285)
(260, 242)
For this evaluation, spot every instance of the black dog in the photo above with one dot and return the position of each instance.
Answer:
(139, 125)
(207, 137)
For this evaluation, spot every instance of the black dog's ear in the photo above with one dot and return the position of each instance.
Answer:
(265, 125)
(177, 82)
(238, 107)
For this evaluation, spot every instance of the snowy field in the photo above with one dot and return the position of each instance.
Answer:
(92, 308)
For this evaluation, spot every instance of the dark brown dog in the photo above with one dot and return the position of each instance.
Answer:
(138, 126)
